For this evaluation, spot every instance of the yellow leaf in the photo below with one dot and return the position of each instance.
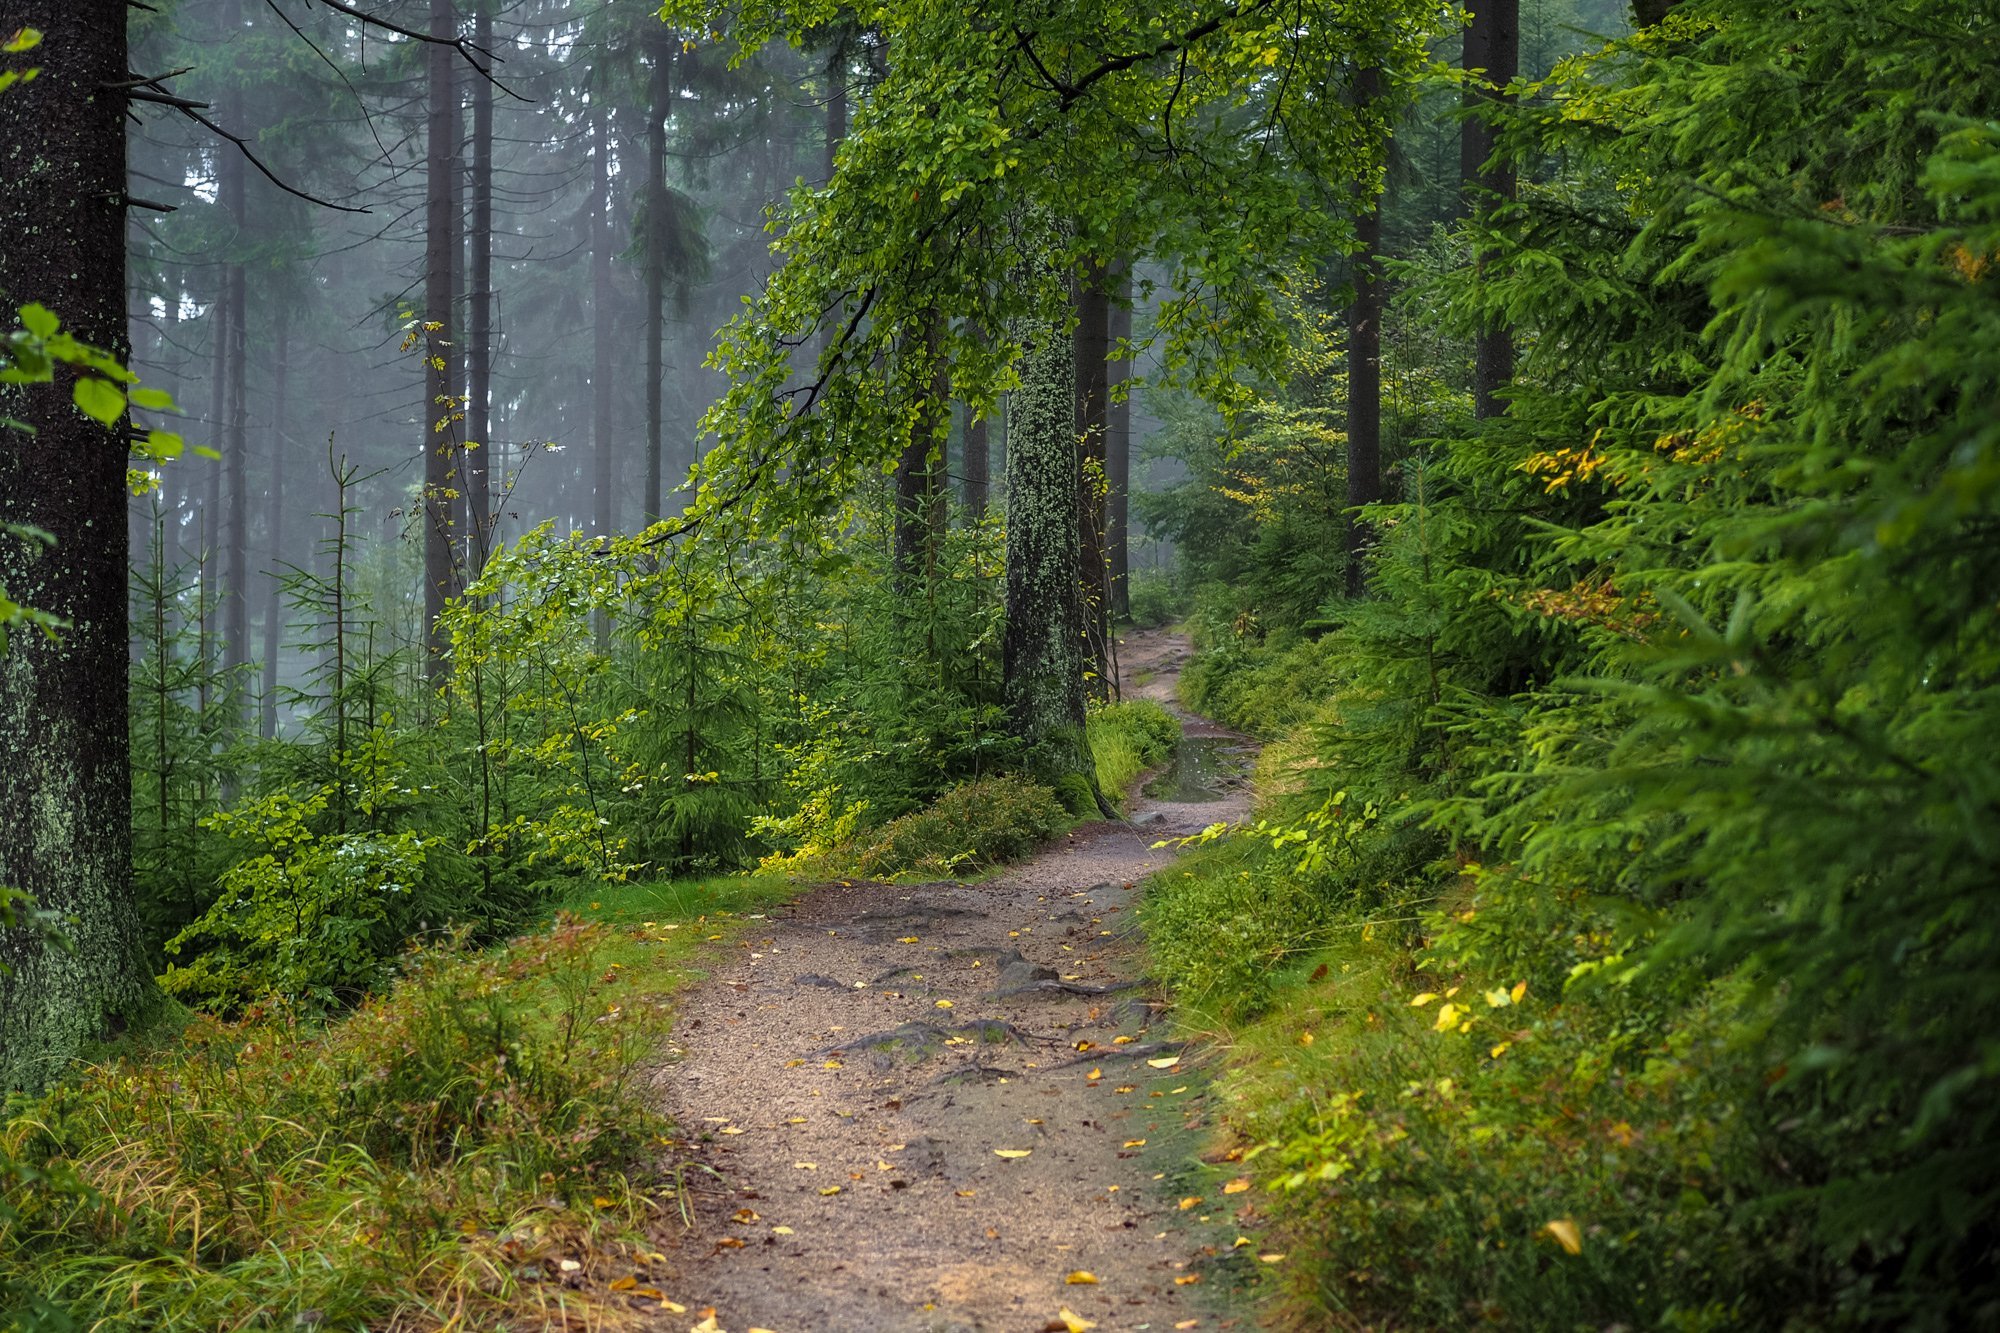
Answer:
(601, 1202)
(708, 1325)
(1081, 1278)
(907, 939)
(1165, 1062)
(1305, 1039)
(944, 1004)
(1094, 1075)
(1187, 1279)
(729, 1129)
(1271, 1258)
(1123, 1041)
(782, 1231)
(831, 1064)
(831, 1189)
(1012, 1153)
(1237, 1186)
(672, 1307)
(805, 1166)
(1423, 999)
(1073, 1321)
(745, 1215)
(625, 1284)
(1447, 1018)
(1498, 999)
(1520, 989)
(1566, 1234)
(1135, 1143)
(1190, 1202)
(1500, 1049)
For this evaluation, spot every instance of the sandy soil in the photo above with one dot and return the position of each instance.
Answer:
(921, 1107)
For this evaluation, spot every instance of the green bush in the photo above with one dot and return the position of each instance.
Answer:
(969, 828)
(1128, 738)
(1155, 598)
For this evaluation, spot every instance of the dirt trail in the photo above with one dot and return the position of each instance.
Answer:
(850, 1075)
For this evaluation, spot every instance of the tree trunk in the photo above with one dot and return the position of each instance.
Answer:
(274, 525)
(1043, 655)
(1091, 348)
(836, 102)
(65, 762)
(978, 465)
(231, 185)
(439, 436)
(659, 96)
(920, 490)
(1364, 370)
(1118, 449)
(600, 300)
(1495, 39)
(479, 295)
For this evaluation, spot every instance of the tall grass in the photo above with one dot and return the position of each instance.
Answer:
(472, 1149)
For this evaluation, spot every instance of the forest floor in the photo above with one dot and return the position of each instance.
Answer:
(946, 1106)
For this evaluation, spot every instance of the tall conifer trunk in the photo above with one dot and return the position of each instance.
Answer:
(659, 97)
(600, 303)
(439, 436)
(235, 533)
(1093, 330)
(274, 532)
(1043, 655)
(1364, 368)
(1118, 450)
(65, 762)
(479, 313)
(1493, 41)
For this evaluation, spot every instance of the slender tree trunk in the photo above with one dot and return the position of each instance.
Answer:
(836, 103)
(208, 517)
(601, 301)
(1364, 370)
(659, 97)
(274, 525)
(1495, 38)
(231, 185)
(479, 295)
(440, 438)
(65, 761)
(1118, 448)
(978, 465)
(1043, 655)
(1091, 348)
(920, 488)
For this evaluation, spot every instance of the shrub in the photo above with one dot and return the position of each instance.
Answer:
(969, 828)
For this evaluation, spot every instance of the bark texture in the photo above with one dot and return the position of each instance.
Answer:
(440, 442)
(479, 312)
(1364, 371)
(1495, 38)
(1093, 331)
(1118, 450)
(1044, 656)
(65, 777)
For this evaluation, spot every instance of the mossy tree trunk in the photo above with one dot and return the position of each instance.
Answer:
(65, 778)
(1045, 656)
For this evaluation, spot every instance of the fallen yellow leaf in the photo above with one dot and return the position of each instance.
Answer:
(805, 1166)
(1094, 1075)
(907, 939)
(1566, 1234)
(944, 1004)
(1165, 1062)
(831, 1189)
(1424, 999)
(1187, 1279)
(672, 1307)
(708, 1325)
(1272, 1258)
(1073, 1321)
(782, 1231)
(625, 1284)
(1237, 1186)
(1011, 1153)
(1135, 1143)
(1081, 1278)
(1190, 1202)
(726, 1129)
(1188, 1323)
(1123, 1041)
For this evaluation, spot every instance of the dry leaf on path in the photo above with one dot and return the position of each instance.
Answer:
(1165, 1062)
(1237, 1186)
(1012, 1153)
(1081, 1278)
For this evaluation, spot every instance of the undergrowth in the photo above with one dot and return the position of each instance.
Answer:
(471, 1148)
(1127, 739)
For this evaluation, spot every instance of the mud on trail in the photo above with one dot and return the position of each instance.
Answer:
(926, 1106)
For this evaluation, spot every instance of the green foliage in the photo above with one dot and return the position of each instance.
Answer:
(968, 829)
(434, 1155)
(1127, 739)
(1690, 657)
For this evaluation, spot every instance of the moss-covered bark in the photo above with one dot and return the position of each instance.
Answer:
(1045, 652)
(65, 785)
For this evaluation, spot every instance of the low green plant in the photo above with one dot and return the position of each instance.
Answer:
(450, 1151)
(970, 828)
(1127, 739)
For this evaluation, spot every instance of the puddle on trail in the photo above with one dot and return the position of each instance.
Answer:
(1204, 768)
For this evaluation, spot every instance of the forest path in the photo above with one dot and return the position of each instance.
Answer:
(854, 1076)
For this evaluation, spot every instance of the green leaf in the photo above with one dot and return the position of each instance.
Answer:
(100, 400)
(158, 400)
(38, 320)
